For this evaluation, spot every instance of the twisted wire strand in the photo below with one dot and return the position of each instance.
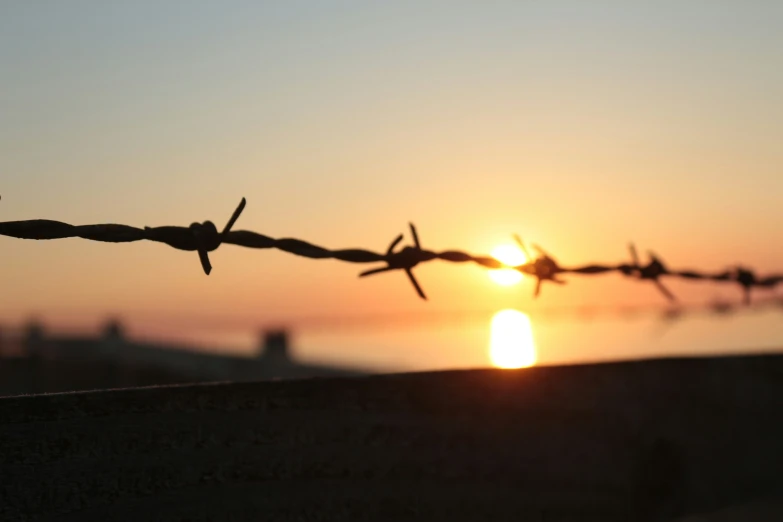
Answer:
(204, 238)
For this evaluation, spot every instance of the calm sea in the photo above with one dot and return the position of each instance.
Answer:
(505, 337)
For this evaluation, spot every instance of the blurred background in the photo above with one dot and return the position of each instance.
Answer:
(580, 126)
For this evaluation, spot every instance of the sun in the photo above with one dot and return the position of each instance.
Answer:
(511, 343)
(510, 255)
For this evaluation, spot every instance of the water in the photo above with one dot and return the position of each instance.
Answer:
(468, 341)
(469, 344)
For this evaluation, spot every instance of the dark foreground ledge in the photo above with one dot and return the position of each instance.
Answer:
(647, 440)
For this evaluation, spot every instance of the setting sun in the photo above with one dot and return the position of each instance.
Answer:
(510, 255)
(511, 342)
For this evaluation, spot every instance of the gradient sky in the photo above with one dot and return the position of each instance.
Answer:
(579, 125)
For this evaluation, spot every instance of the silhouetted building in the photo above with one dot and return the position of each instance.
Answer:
(113, 331)
(34, 339)
(63, 363)
(275, 345)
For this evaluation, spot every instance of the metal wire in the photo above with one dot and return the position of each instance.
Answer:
(204, 238)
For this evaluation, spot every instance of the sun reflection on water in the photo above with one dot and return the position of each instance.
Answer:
(511, 342)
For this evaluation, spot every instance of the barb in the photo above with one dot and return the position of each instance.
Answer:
(204, 238)
(543, 268)
(652, 271)
(405, 259)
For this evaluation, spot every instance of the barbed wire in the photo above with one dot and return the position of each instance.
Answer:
(204, 238)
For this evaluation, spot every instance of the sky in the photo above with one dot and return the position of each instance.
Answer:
(579, 125)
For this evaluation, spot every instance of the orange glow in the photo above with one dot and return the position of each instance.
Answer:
(509, 255)
(511, 342)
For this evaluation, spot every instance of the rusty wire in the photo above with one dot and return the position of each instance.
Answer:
(204, 238)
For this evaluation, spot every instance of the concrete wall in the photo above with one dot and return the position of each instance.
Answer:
(632, 441)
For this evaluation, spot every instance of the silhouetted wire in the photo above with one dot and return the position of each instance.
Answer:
(204, 238)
